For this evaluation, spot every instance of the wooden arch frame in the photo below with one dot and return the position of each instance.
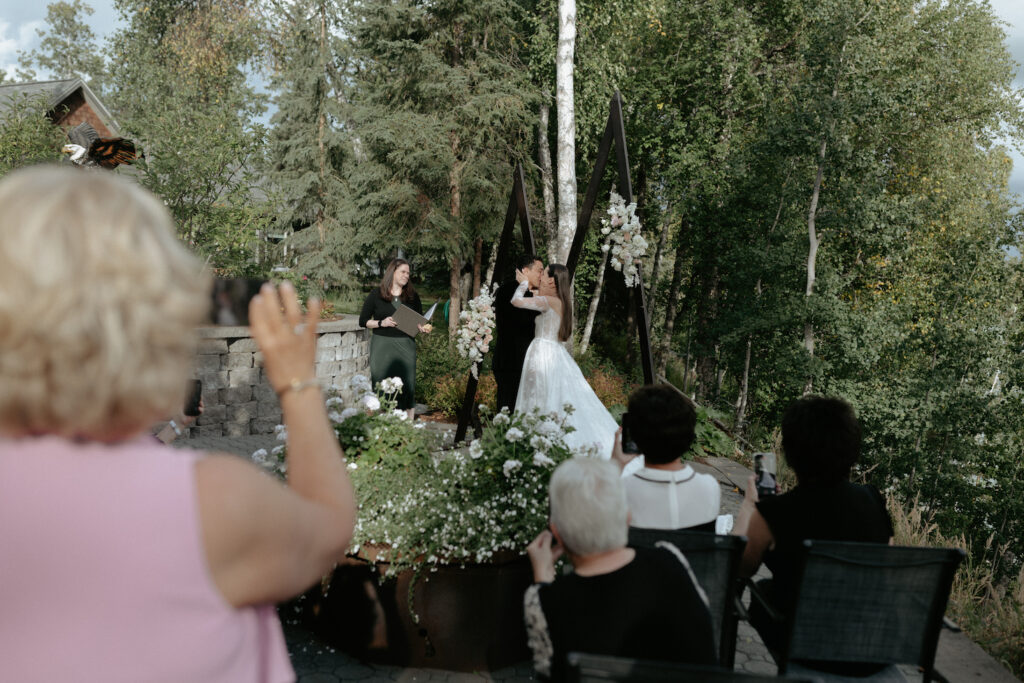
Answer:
(517, 208)
(614, 131)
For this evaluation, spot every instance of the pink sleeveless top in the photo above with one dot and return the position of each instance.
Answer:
(103, 576)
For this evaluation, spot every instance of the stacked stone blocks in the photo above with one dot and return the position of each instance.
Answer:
(237, 397)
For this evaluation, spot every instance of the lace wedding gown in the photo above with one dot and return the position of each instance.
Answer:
(551, 379)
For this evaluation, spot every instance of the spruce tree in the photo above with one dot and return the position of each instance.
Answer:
(441, 107)
(307, 145)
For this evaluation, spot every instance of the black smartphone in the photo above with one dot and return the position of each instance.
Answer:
(229, 300)
(764, 477)
(195, 395)
(628, 444)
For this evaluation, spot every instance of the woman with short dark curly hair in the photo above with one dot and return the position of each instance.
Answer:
(821, 441)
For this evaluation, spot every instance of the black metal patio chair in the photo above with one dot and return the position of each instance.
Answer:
(869, 603)
(715, 561)
(584, 668)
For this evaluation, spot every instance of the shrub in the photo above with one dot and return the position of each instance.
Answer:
(436, 359)
(989, 610)
(611, 388)
(448, 391)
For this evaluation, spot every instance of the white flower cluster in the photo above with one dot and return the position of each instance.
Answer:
(626, 243)
(390, 385)
(272, 461)
(469, 506)
(476, 328)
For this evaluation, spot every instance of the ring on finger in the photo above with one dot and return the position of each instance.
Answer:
(298, 329)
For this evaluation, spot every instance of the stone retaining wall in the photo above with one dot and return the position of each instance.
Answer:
(238, 400)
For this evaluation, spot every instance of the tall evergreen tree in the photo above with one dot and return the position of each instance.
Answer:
(307, 142)
(441, 107)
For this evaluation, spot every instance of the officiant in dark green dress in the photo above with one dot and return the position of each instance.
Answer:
(393, 352)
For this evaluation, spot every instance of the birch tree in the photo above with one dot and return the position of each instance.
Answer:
(566, 126)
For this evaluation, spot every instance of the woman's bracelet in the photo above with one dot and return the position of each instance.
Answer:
(296, 385)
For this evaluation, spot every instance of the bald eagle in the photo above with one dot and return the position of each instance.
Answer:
(87, 148)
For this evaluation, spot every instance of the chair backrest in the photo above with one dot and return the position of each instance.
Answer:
(714, 559)
(869, 602)
(584, 668)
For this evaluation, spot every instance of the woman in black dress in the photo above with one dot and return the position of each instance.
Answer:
(393, 352)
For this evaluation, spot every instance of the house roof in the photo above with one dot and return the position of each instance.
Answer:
(55, 93)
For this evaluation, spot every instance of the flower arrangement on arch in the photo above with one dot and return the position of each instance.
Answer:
(624, 240)
(476, 329)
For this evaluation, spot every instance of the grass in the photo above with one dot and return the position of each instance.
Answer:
(988, 608)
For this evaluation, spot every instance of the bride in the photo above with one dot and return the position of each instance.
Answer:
(551, 377)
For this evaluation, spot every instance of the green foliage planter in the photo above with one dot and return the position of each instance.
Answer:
(465, 617)
(437, 573)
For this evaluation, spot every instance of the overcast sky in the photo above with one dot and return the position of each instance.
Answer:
(20, 19)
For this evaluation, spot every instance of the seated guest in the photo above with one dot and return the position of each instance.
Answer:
(124, 560)
(667, 493)
(641, 603)
(821, 442)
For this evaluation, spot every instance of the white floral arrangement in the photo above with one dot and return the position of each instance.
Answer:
(624, 240)
(373, 425)
(476, 329)
(470, 505)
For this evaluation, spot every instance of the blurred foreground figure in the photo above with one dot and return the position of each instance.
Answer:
(124, 560)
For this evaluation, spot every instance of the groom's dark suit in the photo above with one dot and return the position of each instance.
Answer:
(514, 328)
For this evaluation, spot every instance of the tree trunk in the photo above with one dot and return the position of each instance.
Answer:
(592, 309)
(566, 127)
(321, 226)
(478, 257)
(707, 310)
(547, 181)
(455, 191)
(492, 262)
(652, 288)
(719, 374)
(741, 400)
(670, 309)
(454, 297)
(812, 256)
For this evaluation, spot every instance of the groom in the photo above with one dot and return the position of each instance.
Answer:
(514, 328)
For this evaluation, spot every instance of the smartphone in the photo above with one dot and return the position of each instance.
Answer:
(195, 394)
(764, 474)
(229, 300)
(628, 444)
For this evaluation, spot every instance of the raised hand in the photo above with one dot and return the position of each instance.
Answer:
(543, 552)
(288, 344)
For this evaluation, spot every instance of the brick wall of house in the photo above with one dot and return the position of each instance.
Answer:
(237, 398)
(78, 110)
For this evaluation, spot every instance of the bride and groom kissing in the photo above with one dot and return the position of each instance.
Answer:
(532, 366)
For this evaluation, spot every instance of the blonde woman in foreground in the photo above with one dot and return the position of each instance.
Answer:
(124, 560)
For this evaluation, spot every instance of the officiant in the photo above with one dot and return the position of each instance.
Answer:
(392, 351)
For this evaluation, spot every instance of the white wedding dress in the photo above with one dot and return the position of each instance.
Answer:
(552, 379)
